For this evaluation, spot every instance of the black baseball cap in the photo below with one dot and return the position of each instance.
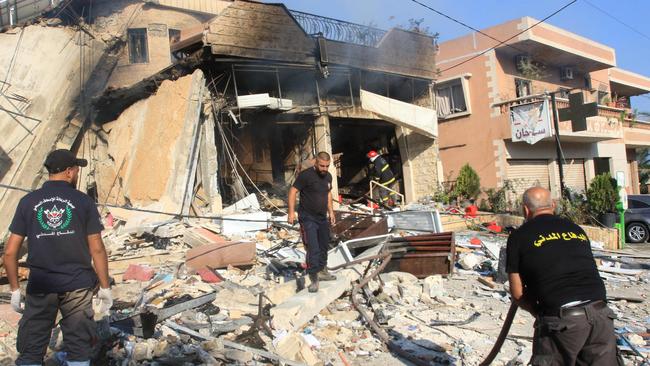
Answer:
(62, 159)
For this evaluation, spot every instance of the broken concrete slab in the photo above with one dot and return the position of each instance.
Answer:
(302, 307)
(239, 224)
(294, 347)
(145, 161)
(198, 236)
(221, 255)
(248, 203)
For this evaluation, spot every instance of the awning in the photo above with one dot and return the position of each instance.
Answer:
(419, 119)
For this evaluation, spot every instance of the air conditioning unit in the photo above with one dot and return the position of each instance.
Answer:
(567, 73)
(521, 61)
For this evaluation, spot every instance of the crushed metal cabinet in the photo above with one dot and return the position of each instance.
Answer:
(423, 255)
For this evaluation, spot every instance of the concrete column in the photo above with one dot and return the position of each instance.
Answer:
(590, 170)
(324, 143)
(407, 165)
(554, 178)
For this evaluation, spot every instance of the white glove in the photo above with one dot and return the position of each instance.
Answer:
(105, 299)
(16, 297)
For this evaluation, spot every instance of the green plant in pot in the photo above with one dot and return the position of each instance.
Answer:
(468, 184)
(602, 196)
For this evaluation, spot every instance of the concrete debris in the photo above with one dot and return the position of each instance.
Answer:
(469, 261)
(190, 158)
(295, 347)
(169, 311)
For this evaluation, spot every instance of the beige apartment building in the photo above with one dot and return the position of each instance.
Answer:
(479, 84)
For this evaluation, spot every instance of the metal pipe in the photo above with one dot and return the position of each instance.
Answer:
(558, 147)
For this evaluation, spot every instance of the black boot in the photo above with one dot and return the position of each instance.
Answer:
(325, 275)
(313, 286)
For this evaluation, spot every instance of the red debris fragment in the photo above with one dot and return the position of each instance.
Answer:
(494, 227)
(138, 273)
(471, 211)
(475, 241)
(208, 276)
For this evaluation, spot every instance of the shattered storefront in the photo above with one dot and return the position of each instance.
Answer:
(262, 104)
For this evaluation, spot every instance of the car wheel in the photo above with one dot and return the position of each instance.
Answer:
(636, 232)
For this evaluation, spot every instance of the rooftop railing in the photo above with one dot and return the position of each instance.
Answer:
(338, 30)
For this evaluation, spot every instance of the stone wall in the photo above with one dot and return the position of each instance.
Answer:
(608, 237)
(43, 73)
(420, 162)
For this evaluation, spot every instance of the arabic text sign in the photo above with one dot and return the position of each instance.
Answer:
(530, 122)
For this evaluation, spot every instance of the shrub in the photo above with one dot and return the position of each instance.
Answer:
(468, 184)
(442, 195)
(574, 207)
(602, 194)
(497, 199)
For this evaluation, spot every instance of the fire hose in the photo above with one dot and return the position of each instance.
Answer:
(385, 338)
(502, 335)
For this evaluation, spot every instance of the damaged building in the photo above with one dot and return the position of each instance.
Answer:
(178, 109)
(277, 94)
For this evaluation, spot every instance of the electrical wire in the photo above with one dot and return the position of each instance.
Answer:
(510, 38)
(463, 23)
(617, 19)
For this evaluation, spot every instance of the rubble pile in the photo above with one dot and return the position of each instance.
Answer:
(179, 300)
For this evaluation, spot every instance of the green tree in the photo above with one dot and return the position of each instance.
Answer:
(468, 183)
(602, 194)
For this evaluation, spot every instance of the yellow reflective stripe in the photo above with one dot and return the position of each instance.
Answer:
(385, 168)
(385, 199)
(390, 181)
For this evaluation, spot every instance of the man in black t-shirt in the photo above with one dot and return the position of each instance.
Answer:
(315, 187)
(66, 259)
(553, 276)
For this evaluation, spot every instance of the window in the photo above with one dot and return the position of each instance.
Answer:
(138, 50)
(564, 93)
(631, 203)
(174, 36)
(603, 97)
(450, 98)
(587, 81)
(523, 87)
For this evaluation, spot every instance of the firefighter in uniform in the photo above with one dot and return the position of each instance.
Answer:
(379, 171)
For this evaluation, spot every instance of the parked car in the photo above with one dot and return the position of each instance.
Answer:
(637, 218)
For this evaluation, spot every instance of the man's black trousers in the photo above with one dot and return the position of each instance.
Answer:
(315, 232)
(77, 325)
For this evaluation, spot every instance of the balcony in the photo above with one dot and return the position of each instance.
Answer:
(338, 30)
(610, 123)
(636, 134)
(605, 126)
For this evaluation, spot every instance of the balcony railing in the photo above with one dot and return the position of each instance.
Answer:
(338, 30)
(622, 114)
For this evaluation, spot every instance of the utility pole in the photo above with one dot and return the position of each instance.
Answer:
(558, 148)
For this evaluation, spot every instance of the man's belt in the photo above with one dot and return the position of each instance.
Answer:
(575, 310)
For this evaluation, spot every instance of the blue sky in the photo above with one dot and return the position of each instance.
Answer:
(582, 17)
